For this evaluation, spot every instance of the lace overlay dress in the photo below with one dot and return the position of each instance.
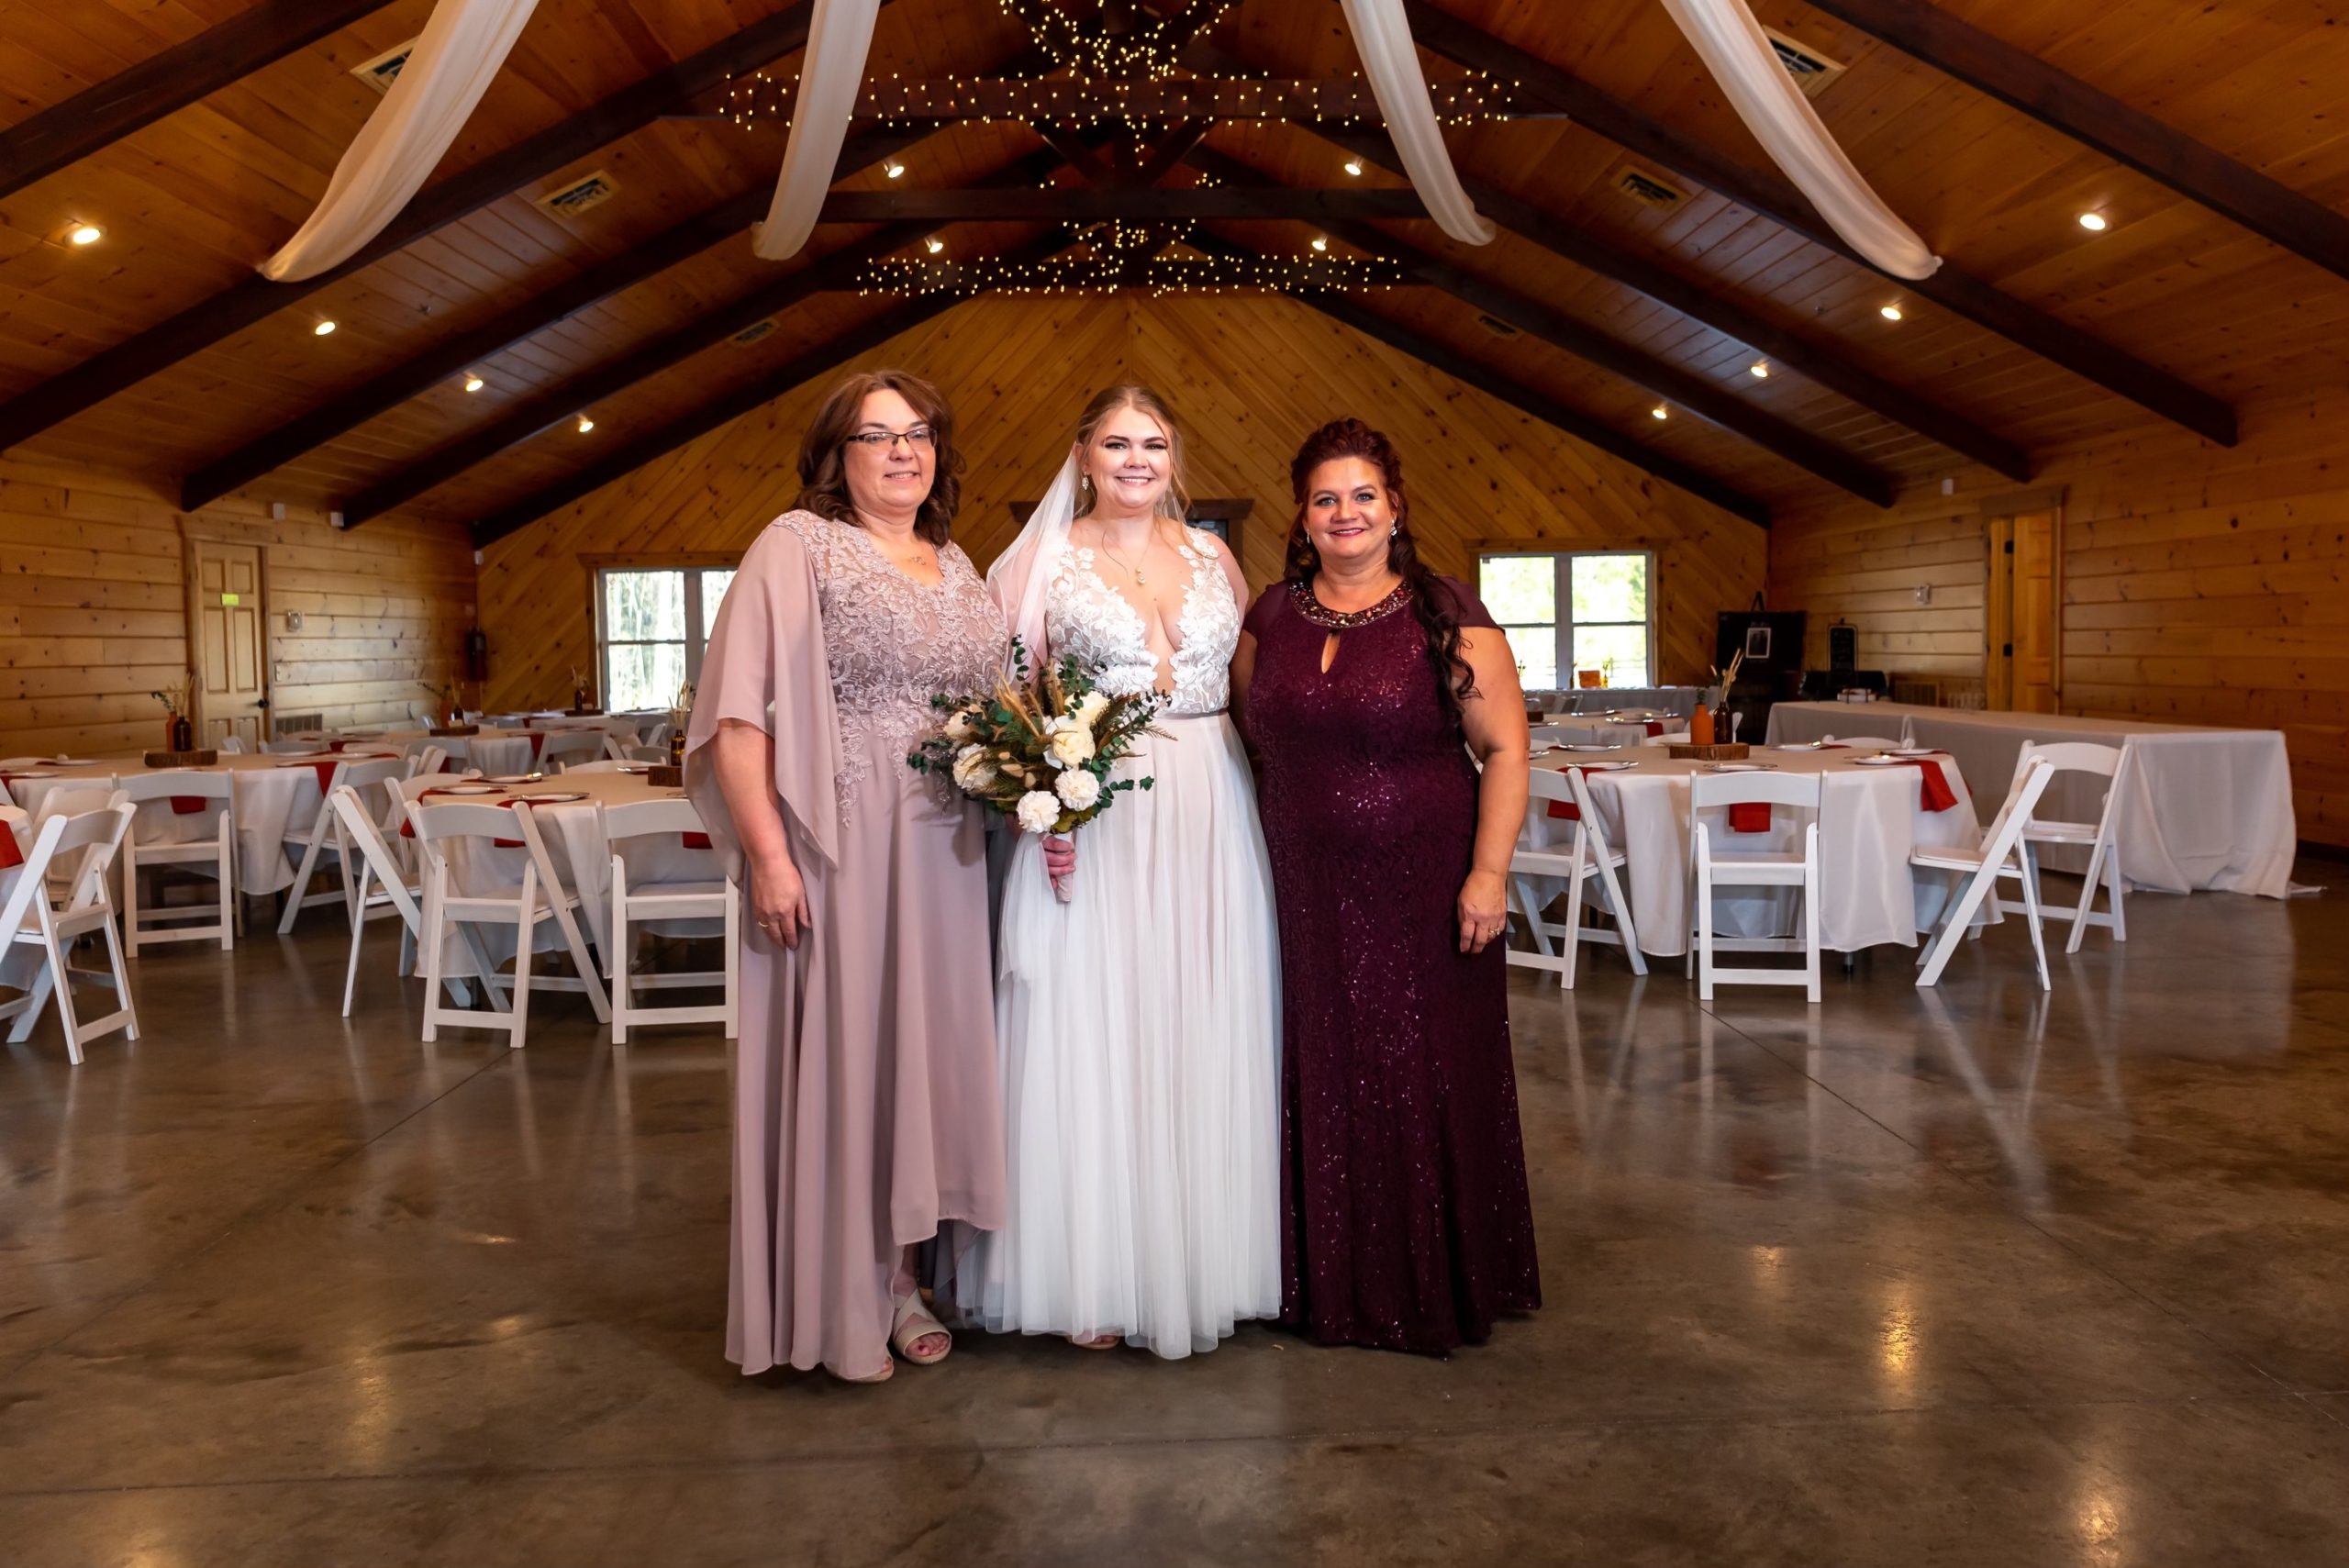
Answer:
(865, 1107)
(1138, 1022)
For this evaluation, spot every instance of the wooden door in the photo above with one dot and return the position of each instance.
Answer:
(2019, 669)
(232, 641)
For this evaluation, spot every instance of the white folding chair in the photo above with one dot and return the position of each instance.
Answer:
(2104, 854)
(1537, 867)
(324, 839)
(37, 915)
(655, 736)
(446, 912)
(382, 885)
(564, 746)
(214, 857)
(1799, 791)
(1999, 855)
(425, 758)
(230, 746)
(716, 899)
(649, 753)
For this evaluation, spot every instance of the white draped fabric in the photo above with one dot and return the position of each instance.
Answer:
(1022, 573)
(462, 47)
(1738, 53)
(1391, 61)
(839, 35)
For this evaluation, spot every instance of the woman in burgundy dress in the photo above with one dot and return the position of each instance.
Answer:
(1368, 682)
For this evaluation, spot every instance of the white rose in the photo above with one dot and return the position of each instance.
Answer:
(972, 770)
(1089, 711)
(1078, 790)
(1070, 747)
(1037, 812)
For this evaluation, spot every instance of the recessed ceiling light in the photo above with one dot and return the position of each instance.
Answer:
(2093, 222)
(323, 328)
(1890, 312)
(1659, 412)
(893, 169)
(1761, 370)
(1320, 243)
(1353, 167)
(474, 384)
(586, 424)
(85, 234)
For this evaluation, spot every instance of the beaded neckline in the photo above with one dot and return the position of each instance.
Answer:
(1320, 614)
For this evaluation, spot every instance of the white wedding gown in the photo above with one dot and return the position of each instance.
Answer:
(1138, 1023)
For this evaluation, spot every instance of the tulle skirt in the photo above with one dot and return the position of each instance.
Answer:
(1139, 1032)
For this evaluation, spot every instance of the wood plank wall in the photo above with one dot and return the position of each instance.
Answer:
(94, 607)
(2199, 584)
(1248, 377)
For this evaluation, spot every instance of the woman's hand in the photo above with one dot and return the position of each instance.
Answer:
(1484, 910)
(778, 900)
(1060, 860)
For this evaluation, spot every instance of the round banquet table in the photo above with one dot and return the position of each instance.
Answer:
(1870, 818)
(273, 797)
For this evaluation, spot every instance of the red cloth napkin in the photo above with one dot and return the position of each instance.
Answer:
(11, 852)
(1654, 727)
(337, 745)
(696, 840)
(1750, 817)
(189, 805)
(326, 774)
(538, 743)
(1933, 792)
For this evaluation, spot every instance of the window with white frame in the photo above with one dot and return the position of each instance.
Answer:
(651, 624)
(1570, 610)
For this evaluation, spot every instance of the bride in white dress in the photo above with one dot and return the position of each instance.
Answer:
(1137, 1008)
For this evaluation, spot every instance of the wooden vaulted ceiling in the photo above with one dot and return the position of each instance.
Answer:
(222, 119)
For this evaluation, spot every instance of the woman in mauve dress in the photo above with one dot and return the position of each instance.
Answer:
(1368, 683)
(865, 1108)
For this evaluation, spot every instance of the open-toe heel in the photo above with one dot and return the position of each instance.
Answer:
(915, 1322)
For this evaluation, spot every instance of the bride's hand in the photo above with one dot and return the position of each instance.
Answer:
(1484, 910)
(1060, 860)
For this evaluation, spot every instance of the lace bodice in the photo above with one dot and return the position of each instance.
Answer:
(1085, 617)
(892, 642)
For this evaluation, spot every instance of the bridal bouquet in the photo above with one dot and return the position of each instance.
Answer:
(1039, 752)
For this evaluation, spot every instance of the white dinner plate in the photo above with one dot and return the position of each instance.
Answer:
(549, 799)
(303, 761)
(35, 774)
(71, 762)
(1911, 752)
(467, 789)
(1740, 767)
(1589, 747)
(636, 767)
(1543, 750)
(512, 778)
(1798, 746)
(1605, 767)
(1884, 761)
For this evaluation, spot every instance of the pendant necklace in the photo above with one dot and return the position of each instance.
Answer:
(1140, 581)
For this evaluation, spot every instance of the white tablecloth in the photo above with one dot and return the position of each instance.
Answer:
(1869, 820)
(273, 797)
(1676, 701)
(2209, 808)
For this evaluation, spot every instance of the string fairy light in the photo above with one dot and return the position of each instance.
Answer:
(1084, 103)
(1107, 272)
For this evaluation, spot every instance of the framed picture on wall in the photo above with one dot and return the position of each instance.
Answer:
(1757, 644)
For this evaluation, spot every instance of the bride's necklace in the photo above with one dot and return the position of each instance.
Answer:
(1140, 581)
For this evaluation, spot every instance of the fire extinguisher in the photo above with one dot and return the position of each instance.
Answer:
(476, 655)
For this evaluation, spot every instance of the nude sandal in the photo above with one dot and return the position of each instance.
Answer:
(913, 1323)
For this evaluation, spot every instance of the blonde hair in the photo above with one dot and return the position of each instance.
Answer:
(1142, 399)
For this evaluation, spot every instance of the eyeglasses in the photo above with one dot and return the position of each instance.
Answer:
(920, 436)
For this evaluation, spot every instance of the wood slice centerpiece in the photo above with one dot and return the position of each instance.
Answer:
(665, 775)
(203, 759)
(1719, 751)
(447, 730)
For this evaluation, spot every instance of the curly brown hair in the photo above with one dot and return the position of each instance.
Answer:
(823, 450)
(1431, 602)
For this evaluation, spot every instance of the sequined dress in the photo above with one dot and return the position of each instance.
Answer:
(865, 1112)
(1406, 1220)
(1138, 1021)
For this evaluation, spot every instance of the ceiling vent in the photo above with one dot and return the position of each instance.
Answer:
(1496, 325)
(589, 191)
(1812, 70)
(384, 69)
(752, 333)
(1646, 188)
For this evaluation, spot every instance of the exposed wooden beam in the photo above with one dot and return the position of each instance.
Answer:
(379, 394)
(1133, 202)
(840, 269)
(1786, 350)
(254, 299)
(105, 113)
(2060, 100)
(1774, 198)
(1349, 310)
(796, 372)
(1693, 393)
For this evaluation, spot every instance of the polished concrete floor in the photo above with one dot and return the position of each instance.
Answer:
(1968, 1277)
